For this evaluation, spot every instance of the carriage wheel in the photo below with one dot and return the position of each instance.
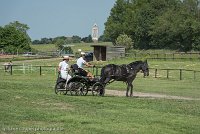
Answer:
(60, 88)
(75, 88)
(84, 90)
(98, 89)
(67, 89)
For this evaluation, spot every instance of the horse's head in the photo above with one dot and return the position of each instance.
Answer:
(145, 68)
(140, 66)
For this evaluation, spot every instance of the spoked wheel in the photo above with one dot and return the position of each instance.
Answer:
(75, 88)
(98, 89)
(84, 90)
(60, 88)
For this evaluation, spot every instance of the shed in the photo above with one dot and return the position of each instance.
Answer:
(104, 52)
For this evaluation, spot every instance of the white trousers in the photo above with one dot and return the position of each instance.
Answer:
(65, 75)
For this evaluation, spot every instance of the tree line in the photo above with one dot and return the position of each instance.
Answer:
(156, 24)
(14, 39)
(65, 40)
(141, 24)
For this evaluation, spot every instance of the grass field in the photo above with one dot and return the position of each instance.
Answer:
(86, 47)
(29, 105)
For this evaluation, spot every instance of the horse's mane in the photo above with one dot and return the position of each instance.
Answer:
(135, 63)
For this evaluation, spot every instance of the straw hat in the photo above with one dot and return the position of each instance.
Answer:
(82, 53)
(66, 57)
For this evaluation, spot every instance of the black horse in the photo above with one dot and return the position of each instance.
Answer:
(126, 73)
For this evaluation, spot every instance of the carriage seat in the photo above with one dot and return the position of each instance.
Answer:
(75, 69)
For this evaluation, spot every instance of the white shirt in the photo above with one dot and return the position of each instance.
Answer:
(63, 66)
(80, 62)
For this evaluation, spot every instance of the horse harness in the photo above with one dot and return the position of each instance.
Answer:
(126, 68)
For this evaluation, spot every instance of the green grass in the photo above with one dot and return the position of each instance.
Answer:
(86, 47)
(187, 87)
(44, 47)
(29, 102)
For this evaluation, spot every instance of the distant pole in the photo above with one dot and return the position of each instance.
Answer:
(40, 70)
(167, 73)
(11, 69)
(156, 72)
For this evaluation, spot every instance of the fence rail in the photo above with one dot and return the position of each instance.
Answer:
(155, 72)
(181, 72)
(166, 56)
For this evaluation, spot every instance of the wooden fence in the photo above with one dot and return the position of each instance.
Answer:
(180, 71)
(155, 72)
(165, 56)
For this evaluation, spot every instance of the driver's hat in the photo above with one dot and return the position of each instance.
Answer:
(65, 57)
(82, 53)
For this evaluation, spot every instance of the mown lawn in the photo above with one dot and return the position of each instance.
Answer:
(28, 105)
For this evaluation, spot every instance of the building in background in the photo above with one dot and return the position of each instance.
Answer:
(95, 32)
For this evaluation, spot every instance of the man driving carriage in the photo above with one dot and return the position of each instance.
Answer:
(81, 62)
(63, 68)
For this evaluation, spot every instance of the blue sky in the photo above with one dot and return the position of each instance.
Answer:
(51, 18)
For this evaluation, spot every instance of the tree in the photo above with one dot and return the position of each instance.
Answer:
(76, 39)
(177, 28)
(59, 43)
(13, 38)
(19, 26)
(124, 40)
(171, 24)
(87, 39)
(115, 24)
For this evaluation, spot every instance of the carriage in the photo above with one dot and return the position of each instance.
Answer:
(79, 85)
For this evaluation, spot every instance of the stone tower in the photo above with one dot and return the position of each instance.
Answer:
(95, 32)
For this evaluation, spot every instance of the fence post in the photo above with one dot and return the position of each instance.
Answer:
(167, 73)
(97, 71)
(180, 74)
(40, 70)
(11, 69)
(194, 75)
(156, 73)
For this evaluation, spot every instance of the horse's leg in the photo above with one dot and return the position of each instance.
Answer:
(127, 90)
(107, 80)
(131, 85)
(103, 80)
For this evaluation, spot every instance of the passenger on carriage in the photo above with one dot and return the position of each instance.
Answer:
(63, 68)
(81, 62)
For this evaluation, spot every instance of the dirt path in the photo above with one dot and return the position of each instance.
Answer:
(147, 95)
